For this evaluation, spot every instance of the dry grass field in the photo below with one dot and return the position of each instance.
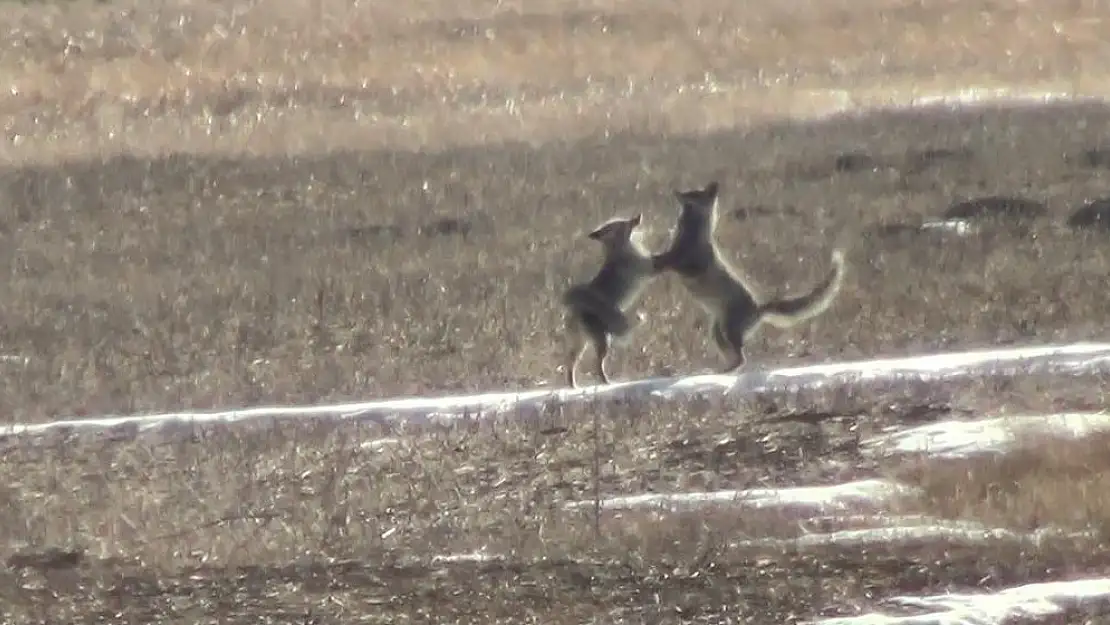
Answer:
(220, 204)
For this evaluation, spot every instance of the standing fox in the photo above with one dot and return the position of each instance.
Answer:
(597, 310)
(721, 291)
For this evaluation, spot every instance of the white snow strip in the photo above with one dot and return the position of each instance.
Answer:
(1079, 356)
(962, 439)
(958, 227)
(863, 494)
(887, 520)
(817, 104)
(379, 444)
(475, 556)
(983, 95)
(906, 535)
(1032, 601)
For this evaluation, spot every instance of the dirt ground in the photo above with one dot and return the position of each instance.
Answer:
(211, 205)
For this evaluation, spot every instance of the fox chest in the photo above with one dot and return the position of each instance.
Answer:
(623, 284)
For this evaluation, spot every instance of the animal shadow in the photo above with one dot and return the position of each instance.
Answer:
(919, 160)
(1094, 215)
(852, 162)
(447, 227)
(1094, 158)
(842, 163)
(857, 161)
(996, 208)
(388, 233)
(743, 213)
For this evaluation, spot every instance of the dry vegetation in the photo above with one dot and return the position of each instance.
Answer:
(208, 205)
(296, 523)
(1050, 481)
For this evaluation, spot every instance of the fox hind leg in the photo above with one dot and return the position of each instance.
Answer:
(736, 363)
(721, 340)
(595, 331)
(636, 321)
(577, 347)
(730, 336)
(602, 348)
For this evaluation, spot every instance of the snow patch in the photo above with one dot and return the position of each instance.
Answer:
(1032, 601)
(906, 535)
(1052, 358)
(379, 444)
(998, 435)
(959, 227)
(807, 500)
(478, 556)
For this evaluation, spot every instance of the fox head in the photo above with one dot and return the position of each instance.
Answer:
(699, 208)
(616, 233)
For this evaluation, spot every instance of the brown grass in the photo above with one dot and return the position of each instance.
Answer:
(342, 277)
(1048, 481)
(209, 205)
(206, 78)
(296, 520)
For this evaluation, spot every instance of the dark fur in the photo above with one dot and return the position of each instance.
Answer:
(596, 310)
(600, 312)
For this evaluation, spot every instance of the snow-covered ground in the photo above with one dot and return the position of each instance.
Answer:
(849, 501)
(998, 435)
(1031, 603)
(1051, 358)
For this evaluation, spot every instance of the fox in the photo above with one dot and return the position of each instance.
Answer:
(597, 311)
(734, 308)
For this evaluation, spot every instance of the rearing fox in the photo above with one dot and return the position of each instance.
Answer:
(721, 291)
(597, 310)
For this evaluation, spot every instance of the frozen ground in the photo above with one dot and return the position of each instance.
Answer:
(862, 505)
(1051, 358)
(115, 71)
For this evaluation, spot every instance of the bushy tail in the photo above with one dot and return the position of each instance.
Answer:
(790, 311)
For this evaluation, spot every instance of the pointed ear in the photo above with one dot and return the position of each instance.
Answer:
(712, 188)
(678, 195)
(635, 221)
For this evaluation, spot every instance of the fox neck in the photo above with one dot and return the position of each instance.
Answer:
(700, 229)
(714, 218)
